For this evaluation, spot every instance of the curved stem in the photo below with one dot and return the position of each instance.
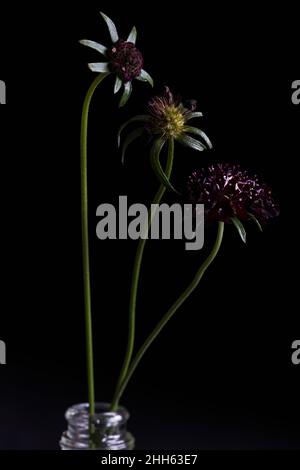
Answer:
(135, 279)
(85, 241)
(173, 309)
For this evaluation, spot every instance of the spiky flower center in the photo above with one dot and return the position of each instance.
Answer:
(167, 115)
(173, 122)
(126, 60)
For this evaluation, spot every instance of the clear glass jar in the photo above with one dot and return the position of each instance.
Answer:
(108, 429)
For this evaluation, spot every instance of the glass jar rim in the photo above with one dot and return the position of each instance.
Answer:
(102, 415)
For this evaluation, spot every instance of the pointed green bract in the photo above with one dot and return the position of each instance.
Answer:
(155, 163)
(111, 27)
(256, 221)
(94, 45)
(132, 35)
(195, 114)
(131, 138)
(99, 67)
(126, 94)
(118, 84)
(240, 228)
(190, 142)
(196, 131)
(145, 77)
(138, 118)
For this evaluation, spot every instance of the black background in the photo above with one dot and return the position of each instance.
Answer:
(220, 375)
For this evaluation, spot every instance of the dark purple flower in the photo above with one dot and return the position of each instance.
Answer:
(122, 58)
(125, 60)
(228, 192)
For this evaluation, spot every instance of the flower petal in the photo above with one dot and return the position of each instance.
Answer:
(94, 45)
(145, 77)
(194, 115)
(240, 228)
(99, 67)
(256, 221)
(132, 35)
(190, 142)
(111, 27)
(195, 130)
(131, 138)
(126, 94)
(138, 118)
(118, 84)
(155, 163)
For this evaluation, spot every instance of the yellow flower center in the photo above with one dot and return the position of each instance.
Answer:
(174, 121)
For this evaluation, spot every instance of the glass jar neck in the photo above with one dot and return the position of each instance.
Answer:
(104, 430)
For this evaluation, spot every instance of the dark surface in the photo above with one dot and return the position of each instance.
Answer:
(220, 375)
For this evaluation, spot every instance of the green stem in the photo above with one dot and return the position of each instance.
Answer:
(85, 242)
(172, 310)
(135, 280)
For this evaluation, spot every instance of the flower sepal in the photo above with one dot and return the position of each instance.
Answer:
(138, 118)
(156, 166)
(240, 228)
(256, 221)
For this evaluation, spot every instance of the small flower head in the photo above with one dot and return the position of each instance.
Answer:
(168, 116)
(123, 59)
(231, 194)
(166, 121)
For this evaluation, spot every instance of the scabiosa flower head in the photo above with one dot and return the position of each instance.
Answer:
(231, 194)
(167, 115)
(166, 121)
(123, 59)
